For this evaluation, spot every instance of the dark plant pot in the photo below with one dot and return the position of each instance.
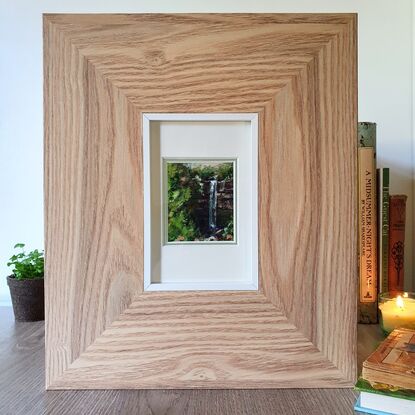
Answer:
(28, 298)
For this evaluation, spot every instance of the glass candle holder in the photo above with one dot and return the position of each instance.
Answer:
(397, 310)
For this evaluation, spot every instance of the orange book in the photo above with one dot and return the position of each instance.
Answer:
(397, 208)
(393, 362)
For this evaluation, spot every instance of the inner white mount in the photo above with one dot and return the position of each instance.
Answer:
(201, 266)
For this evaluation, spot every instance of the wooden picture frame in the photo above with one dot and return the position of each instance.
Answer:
(298, 73)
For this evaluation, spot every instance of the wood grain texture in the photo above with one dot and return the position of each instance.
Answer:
(23, 374)
(298, 72)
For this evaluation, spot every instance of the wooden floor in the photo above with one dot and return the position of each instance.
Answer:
(22, 387)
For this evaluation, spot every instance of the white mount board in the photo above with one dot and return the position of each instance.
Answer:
(201, 266)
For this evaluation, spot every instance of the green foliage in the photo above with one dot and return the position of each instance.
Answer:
(181, 191)
(220, 172)
(225, 171)
(27, 266)
(228, 230)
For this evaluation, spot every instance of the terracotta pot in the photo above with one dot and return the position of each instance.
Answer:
(28, 298)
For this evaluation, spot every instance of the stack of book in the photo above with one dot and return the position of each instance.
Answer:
(387, 385)
(381, 228)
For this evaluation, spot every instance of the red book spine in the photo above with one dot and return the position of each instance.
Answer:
(397, 210)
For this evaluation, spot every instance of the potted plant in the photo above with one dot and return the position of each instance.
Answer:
(26, 284)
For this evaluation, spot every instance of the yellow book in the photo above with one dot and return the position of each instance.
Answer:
(368, 279)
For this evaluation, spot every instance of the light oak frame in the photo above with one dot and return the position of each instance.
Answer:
(298, 72)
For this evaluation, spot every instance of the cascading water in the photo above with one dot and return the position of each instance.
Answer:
(213, 198)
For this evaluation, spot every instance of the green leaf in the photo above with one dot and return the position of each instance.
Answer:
(27, 266)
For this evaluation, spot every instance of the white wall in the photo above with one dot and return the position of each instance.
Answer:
(385, 96)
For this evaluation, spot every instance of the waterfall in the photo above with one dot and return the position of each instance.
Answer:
(213, 198)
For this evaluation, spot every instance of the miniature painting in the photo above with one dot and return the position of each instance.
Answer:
(200, 201)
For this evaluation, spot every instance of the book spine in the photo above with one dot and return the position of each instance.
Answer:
(383, 227)
(397, 213)
(368, 283)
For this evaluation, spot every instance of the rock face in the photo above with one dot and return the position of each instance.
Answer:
(225, 195)
(224, 204)
(224, 191)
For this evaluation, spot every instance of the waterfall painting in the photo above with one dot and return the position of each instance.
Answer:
(199, 201)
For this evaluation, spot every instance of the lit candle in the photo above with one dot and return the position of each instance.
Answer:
(397, 312)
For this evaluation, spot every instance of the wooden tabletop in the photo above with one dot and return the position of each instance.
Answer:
(22, 389)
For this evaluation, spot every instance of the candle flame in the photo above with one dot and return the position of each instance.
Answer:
(405, 295)
(399, 302)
